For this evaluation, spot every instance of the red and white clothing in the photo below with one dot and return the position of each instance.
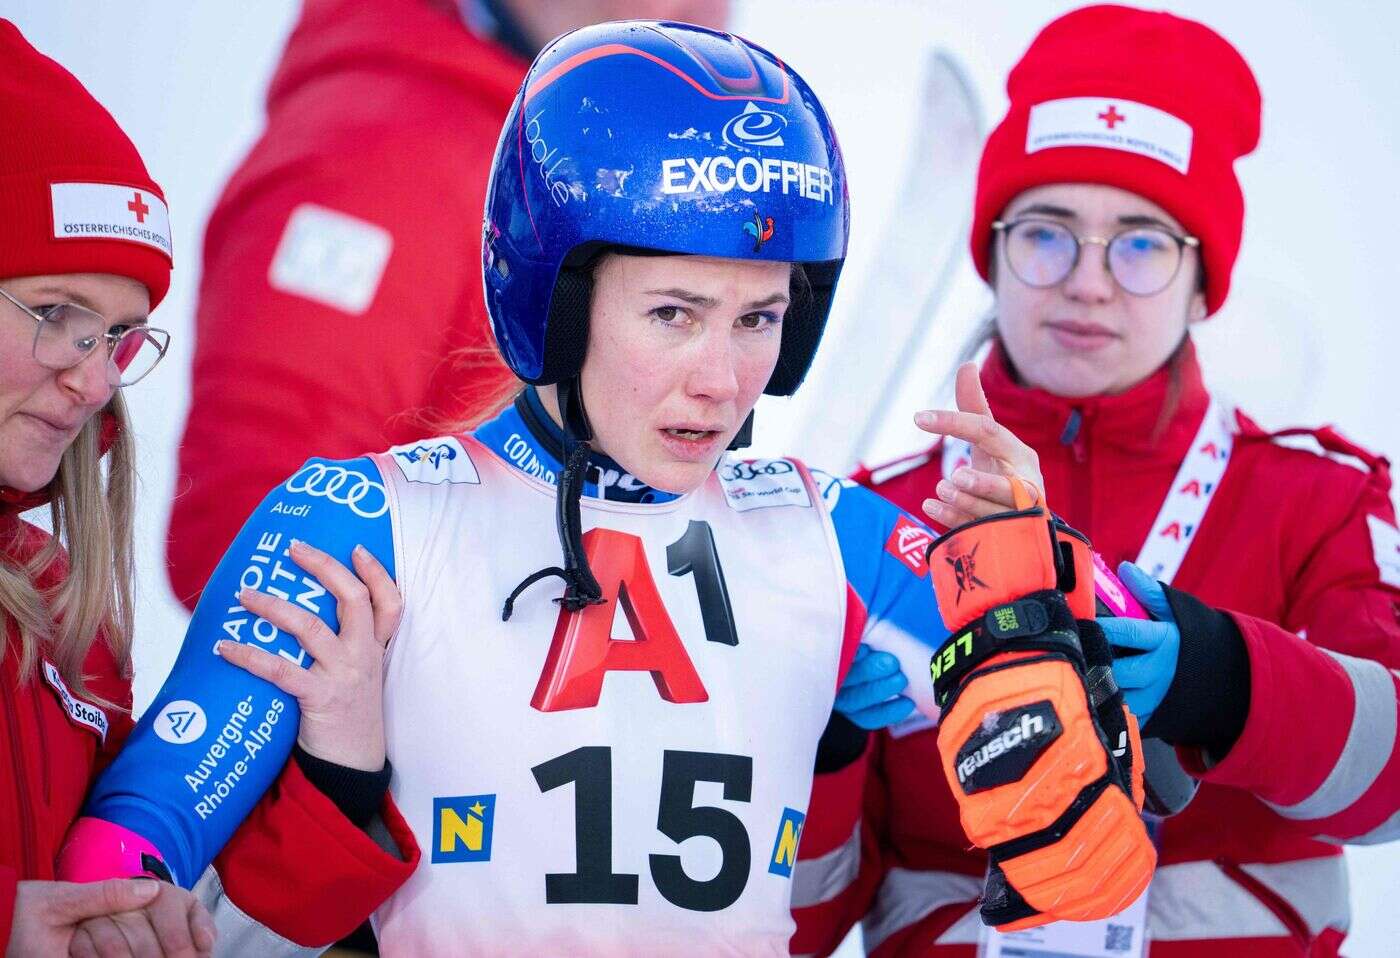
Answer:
(340, 304)
(1299, 546)
(275, 899)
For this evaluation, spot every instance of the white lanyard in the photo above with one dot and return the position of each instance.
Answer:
(1187, 498)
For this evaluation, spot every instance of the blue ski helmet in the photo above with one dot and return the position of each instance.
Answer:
(656, 137)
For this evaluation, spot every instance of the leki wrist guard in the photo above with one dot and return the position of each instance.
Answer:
(1031, 719)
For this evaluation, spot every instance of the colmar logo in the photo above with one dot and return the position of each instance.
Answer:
(755, 127)
(180, 722)
(909, 542)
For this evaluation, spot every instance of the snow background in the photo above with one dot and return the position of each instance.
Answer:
(1308, 335)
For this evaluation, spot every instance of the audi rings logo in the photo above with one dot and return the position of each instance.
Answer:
(752, 470)
(357, 492)
(755, 127)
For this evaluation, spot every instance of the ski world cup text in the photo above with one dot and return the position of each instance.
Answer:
(721, 174)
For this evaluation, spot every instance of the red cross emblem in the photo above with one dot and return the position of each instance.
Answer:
(138, 207)
(1111, 116)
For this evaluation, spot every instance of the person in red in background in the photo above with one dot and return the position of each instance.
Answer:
(335, 311)
(1107, 221)
(84, 258)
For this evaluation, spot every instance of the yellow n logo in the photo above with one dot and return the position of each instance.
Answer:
(785, 847)
(454, 831)
(462, 828)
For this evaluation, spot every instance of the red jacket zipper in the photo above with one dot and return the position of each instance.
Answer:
(26, 811)
(43, 749)
(1075, 435)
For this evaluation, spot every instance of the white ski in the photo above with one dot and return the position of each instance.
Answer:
(874, 336)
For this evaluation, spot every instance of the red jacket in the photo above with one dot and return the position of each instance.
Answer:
(1294, 541)
(276, 867)
(382, 120)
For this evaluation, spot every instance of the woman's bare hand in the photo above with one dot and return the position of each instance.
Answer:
(984, 487)
(341, 694)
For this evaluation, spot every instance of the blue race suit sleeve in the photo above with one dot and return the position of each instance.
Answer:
(883, 550)
(216, 736)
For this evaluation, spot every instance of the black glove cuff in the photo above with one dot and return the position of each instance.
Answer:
(1038, 621)
(357, 793)
(841, 744)
(1208, 700)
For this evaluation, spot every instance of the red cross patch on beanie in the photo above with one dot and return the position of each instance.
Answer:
(1145, 101)
(75, 196)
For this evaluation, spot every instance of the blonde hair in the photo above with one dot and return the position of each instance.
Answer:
(91, 517)
(485, 394)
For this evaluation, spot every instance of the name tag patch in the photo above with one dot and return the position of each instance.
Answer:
(1113, 125)
(82, 713)
(330, 258)
(1385, 543)
(109, 211)
(435, 461)
(760, 483)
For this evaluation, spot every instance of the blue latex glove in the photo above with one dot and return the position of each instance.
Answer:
(870, 695)
(1145, 677)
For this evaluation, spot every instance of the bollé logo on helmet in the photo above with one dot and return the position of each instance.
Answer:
(755, 127)
(1006, 746)
(546, 162)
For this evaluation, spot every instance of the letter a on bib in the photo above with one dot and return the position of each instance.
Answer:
(583, 650)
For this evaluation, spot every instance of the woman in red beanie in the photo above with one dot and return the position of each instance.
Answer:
(84, 257)
(1107, 221)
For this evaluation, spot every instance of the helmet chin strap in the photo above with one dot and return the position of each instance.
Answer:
(581, 588)
(743, 439)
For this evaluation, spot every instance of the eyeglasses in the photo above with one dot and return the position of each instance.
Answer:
(1143, 260)
(66, 334)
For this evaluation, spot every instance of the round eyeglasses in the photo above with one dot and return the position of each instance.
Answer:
(65, 334)
(1143, 260)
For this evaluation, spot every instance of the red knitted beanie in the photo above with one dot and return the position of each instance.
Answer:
(74, 194)
(1144, 101)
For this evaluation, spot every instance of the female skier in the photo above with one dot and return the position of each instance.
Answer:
(626, 767)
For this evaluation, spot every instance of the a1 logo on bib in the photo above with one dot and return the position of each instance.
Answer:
(180, 722)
